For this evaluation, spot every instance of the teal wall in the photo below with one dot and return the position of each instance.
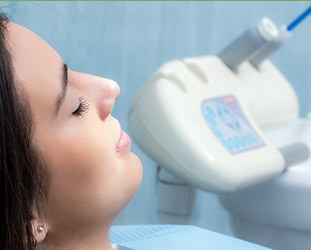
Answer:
(128, 41)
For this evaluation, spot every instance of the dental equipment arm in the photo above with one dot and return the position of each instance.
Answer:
(247, 43)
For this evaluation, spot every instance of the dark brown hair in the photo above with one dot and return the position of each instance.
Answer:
(22, 178)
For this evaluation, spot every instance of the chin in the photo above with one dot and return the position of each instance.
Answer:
(135, 172)
(138, 168)
(132, 182)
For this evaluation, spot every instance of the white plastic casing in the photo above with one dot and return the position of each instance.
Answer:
(267, 29)
(167, 123)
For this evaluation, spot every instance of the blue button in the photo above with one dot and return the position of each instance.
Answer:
(227, 144)
(221, 110)
(236, 142)
(233, 117)
(246, 140)
(253, 139)
(208, 111)
(236, 127)
(224, 120)
(231, 142)
(210, 120)
(216, 132)
(239, 141)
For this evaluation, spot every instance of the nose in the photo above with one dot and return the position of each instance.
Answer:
(108, 93)
(103, 92)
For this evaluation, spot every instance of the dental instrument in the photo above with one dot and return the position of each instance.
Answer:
(270, 47)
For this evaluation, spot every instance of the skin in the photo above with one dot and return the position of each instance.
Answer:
(89, 181)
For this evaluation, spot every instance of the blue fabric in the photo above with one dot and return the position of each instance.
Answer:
(177, 237)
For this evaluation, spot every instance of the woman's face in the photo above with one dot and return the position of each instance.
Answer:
(90, 181)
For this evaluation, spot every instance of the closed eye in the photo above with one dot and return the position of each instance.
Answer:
(83, 107)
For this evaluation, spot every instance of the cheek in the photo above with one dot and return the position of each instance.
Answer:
(83, 170)
(87, 174)
(84, 156)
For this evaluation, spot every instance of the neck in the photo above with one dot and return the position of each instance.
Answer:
(95, 239)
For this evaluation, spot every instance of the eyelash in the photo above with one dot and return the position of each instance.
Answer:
(83, 107)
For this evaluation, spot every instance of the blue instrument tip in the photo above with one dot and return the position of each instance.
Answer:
(299, 19)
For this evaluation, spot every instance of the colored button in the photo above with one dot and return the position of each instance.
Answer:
(221, 110)
(246, 140)
(233, 117)
(231, 142)
(239, 141)
(253, 138)
(210, 120)
(216, 132)
(208, 111)
(227, 144)
(236, 127)
(224, 120)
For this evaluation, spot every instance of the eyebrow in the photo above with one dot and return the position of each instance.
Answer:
(64, 78)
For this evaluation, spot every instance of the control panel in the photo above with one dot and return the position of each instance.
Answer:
(228, 123)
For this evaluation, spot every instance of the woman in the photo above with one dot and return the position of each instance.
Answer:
(66, 166)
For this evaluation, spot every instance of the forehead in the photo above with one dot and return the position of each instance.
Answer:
(37, 68)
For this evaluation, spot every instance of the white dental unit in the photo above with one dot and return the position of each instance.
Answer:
(203, 120)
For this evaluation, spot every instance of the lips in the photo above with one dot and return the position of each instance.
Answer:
(124, 142)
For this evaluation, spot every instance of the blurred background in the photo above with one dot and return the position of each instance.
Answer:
(129, 41)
